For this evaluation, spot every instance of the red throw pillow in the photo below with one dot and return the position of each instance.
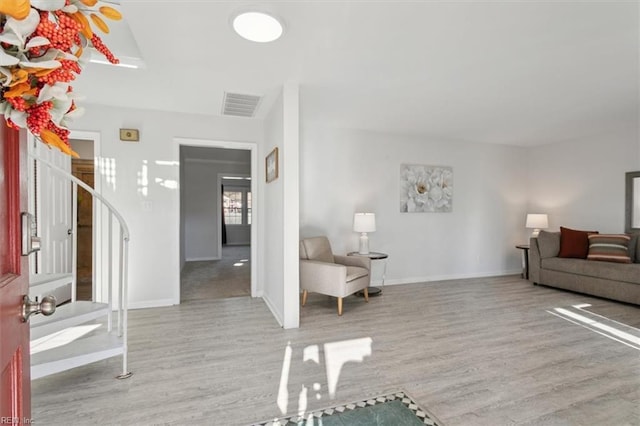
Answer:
(574, 243)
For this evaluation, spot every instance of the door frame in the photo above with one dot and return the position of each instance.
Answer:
(255, 197)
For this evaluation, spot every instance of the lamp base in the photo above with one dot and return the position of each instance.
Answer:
(535, 233)
(364, 244)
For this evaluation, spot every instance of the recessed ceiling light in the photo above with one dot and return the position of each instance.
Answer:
(257, 26)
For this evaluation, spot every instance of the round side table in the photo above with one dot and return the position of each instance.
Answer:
(373, 255)
(525, 256)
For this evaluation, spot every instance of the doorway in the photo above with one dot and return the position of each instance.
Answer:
(84, 169)
(217, 220)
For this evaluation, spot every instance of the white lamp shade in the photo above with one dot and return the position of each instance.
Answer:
(364, 222)
(537, 221)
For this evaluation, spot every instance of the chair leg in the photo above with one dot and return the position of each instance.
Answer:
(339, 306)
(304, 297)
(366, 294)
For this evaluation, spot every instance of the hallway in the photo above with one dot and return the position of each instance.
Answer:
(218, 279)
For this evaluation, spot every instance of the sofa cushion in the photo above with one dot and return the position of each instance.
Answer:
(629, 273)
(549, 244)
(574, 243)
(609, 248)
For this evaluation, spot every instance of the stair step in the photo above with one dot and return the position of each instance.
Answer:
(66, 316)
(75, 354)
(43, 283)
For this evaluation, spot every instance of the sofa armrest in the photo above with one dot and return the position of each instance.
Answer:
(360, 261)
(535, 260)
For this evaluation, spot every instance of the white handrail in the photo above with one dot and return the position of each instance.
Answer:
(123, 256)
(89, 189)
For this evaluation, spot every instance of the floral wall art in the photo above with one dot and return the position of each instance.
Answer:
(426, 189)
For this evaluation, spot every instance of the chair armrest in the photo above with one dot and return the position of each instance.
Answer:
(360, 261)
(323, 277)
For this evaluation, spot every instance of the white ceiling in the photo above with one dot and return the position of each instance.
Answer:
(511, 72)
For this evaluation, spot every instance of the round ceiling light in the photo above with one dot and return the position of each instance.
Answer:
(257, 26)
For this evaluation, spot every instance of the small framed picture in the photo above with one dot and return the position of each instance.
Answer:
(271, 165)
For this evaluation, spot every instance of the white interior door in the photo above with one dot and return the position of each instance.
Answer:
(53, 211)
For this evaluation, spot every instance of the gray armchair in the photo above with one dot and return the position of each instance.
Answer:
(323, 272)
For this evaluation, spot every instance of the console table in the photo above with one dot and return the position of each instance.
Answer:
(373, 291)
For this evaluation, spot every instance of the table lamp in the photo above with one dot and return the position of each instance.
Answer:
(537, 221)
(364, 223)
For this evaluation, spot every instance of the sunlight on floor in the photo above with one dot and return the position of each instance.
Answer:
(283, 392)
(336, 355)
(61, 338)
(602, 325)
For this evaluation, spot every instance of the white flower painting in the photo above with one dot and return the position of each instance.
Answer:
(426, 188)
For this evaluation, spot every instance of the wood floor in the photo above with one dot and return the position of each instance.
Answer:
(473, 352)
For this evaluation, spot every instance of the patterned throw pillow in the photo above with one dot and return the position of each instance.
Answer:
(609, 248)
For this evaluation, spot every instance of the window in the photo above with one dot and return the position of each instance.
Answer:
(236, 205)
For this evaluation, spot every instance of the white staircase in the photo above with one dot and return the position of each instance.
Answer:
(83, 332)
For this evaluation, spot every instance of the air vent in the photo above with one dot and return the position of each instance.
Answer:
(240, 105)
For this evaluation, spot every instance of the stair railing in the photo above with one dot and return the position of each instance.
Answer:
(123, 256)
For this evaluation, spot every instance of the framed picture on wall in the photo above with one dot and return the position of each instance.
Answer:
(426, 189)
(271, 165)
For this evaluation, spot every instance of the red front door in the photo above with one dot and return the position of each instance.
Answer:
(15, 389)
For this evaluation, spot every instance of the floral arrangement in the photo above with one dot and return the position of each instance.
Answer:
(41, 43)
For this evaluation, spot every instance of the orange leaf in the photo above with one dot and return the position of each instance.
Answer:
(18, 9)
(52, 139)
(40, 72)
(100, 23)
(17, 90)
(110, 13)
(82, 20)
(18, 76)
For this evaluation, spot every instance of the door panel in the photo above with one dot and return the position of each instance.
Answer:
(54, 212)
(15, 390)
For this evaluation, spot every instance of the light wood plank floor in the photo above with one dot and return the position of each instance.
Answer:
(473, 352)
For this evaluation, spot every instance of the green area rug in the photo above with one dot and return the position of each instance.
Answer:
(395, 409)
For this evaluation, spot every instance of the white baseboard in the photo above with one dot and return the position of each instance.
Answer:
(415, 280)
(159, 303)
(276, 313)
(201, 259)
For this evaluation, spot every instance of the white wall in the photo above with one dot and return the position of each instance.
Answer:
(281, 210)
(346, 171)
(291, 217)
(581, 184)
(272, 229)
(143, 185)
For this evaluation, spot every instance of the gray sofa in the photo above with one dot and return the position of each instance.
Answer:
(616, 281)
